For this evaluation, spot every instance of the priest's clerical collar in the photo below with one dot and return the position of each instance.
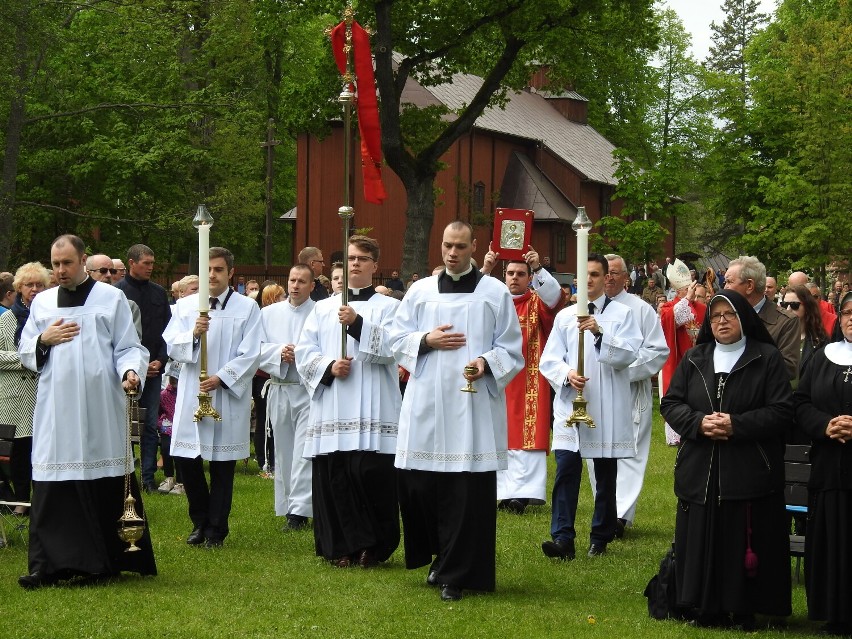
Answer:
(457, 276)
(74, 288)
(361, 294)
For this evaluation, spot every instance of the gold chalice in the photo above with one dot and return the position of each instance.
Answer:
(470, 370)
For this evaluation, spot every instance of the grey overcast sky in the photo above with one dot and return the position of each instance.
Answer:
(697, 16)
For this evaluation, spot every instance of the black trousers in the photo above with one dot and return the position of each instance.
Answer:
(209, 505)
(21, 467)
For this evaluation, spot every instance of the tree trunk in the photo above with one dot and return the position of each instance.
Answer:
(419, 217)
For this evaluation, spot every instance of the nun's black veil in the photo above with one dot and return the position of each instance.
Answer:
(750, 324)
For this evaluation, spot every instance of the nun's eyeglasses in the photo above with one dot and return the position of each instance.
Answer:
(715, 318)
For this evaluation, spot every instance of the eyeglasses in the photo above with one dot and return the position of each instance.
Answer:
(104, 270)
(122, 270)
(361, 259)
(317, 261)
(728, 316)
(794, 305)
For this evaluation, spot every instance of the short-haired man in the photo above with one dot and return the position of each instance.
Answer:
(156, 312)
(772, 289)
(537, 297)
(652, 354)
(394, 283)
(352, 428)
(650, 292)
(80, 425)
(120, 270)
(252, 287)
(234, 333)
(611, 344)
(312, 256)
(336, 278)
(747, 276)
(99, 267)
(287, 399)
(450, 328)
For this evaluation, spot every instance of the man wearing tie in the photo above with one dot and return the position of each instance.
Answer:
(611, 343)
(234, 334)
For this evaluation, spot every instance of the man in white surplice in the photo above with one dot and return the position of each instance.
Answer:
(452, 443)
(80, 337)
(287, 399)
(354, 415)
(612, 340)
(653, 353)
(234, 333)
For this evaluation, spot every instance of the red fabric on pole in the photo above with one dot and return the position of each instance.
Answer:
(367, 104)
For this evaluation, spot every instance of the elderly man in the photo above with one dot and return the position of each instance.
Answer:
(653, 352)
(450, 328)
(100, 268)
(120, 270)
(747, 276)
(312, 256)
(80, 338)
(538, 298)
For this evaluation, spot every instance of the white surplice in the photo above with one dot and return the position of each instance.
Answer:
(80, 421)
(287, 407)
(608, 389)
(442, 428)
(653, 353)
(360, 412)
(233, 351)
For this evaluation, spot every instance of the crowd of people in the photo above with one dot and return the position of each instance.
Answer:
(412, 412)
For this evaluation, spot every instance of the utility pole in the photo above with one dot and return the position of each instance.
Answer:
(270, 145)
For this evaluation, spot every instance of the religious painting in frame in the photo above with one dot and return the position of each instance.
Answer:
(512, 233)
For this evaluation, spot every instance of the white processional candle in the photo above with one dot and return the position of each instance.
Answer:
(203, 267)
(582, 272)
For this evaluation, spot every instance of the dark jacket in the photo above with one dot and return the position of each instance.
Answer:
(783, 326)
(758, 397)
(822, 395)
(155, 310)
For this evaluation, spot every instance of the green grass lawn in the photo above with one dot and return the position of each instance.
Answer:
(267, 583)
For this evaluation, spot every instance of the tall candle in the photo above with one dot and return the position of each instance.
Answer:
(204, 267)
(582, 271)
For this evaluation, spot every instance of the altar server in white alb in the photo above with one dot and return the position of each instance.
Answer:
(653, 353)
(452, 443)
(80, 337)
(287, 399)
(234, 334)
(612, 340)
(354, 415)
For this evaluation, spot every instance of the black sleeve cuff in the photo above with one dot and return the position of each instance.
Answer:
(354, 329)
(327, 378)
(424, 347)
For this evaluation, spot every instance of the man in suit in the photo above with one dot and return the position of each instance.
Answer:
(747, 276)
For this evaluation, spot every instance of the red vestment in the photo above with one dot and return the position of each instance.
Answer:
(677, 338)
(528, 403)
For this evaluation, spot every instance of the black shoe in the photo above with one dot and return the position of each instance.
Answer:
(432, 578)
(296, 522)
(561, 549)
(213, 543)
(745, 622)
(596, 550)
(620, 527)
(149, 488)
(196, 537)
(450, 593)
(36, 580)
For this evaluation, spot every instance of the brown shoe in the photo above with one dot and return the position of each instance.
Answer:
(366, 559)
(342, 562)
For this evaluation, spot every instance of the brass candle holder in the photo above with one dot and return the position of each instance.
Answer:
(205, 404)
(580, 415)
(470, 370)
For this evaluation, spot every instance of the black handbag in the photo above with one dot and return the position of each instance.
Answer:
(661, 591)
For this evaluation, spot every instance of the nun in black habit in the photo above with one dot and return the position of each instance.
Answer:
(731, 403)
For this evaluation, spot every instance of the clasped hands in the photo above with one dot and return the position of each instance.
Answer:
(840, 428)
(717, 426)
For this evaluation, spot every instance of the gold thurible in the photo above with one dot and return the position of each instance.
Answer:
(580, 415)
(131, 526)
(205, 404)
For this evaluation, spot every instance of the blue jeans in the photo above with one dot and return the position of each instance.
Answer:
(566, 494)
(149, 438)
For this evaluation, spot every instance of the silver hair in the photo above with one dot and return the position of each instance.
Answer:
(753, 269)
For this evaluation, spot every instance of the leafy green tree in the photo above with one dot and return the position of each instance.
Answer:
(502, 41)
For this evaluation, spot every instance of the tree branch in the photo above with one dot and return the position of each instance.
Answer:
(101, 107)
(59, 209)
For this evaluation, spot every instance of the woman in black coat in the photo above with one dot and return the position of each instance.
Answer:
(730, 402)
(824, 412)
